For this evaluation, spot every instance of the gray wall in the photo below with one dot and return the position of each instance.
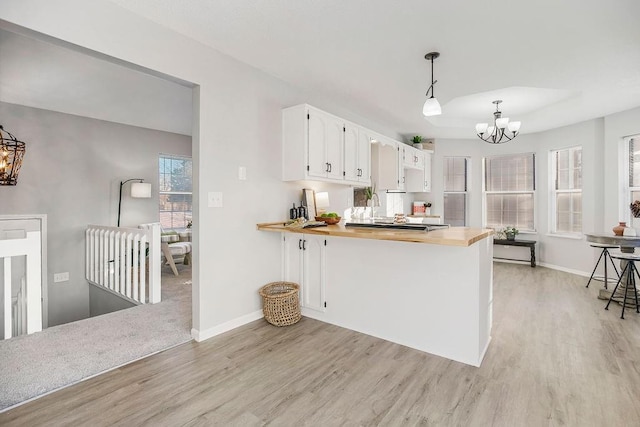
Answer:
(103, 302)
(71, 173)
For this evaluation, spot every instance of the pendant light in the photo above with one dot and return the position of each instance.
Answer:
(431, 105)
(496, 133)
(11, 155)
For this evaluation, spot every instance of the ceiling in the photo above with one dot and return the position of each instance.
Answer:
(552, 63)
(51, 77)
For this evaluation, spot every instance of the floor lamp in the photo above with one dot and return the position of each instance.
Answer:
(139, 190)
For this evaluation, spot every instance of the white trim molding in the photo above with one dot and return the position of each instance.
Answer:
(226, 326)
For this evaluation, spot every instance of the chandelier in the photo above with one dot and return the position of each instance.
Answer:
(431, 105)
(496, 133)
(11, 155)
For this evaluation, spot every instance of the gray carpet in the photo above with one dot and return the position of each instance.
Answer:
(63, 355)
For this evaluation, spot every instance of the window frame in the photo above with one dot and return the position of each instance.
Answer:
(627, 189)
(485, 192)
(161, 193)
(554, 191)
(465, 193)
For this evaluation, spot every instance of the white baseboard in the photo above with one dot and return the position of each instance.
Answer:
(226, 326)
(566, 270)
(546, 265)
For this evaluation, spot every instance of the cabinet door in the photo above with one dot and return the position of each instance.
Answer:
(401, 165)
(419, 159)
(292, 259)
(427, 172)
(313, 254)
(335, 144)
(351, 145)
(319, 126)
(364, 157)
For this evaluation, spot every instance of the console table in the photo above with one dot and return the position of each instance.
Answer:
(531, 244)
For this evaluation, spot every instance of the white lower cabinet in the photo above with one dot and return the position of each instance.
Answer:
(304, 263)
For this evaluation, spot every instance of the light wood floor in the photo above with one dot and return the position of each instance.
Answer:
(557, 358)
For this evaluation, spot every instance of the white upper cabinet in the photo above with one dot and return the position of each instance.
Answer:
(357, 154)
(324, 140)
(319, 146)
(418, 179)
(387, 171)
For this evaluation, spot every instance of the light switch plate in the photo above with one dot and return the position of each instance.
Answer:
(61, 277)
(242, 173)
(215, 199)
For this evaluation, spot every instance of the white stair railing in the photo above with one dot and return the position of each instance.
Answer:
(29, 302)
(19, 316)
(117, 260)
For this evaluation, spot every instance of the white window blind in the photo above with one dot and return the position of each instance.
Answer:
(509, 191)
(175, 191)
(634, 169)
(567, 190)
(455, 190)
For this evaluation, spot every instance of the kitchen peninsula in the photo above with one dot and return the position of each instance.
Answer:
(431, 291)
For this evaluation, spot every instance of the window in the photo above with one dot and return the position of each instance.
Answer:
(632, 178)
(455, 191)
(566, 203)
(175, 191)
(509, 183)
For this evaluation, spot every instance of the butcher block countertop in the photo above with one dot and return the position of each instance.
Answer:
(454, 236)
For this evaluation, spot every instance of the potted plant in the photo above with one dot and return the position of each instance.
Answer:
(416, 139)
(510, 231)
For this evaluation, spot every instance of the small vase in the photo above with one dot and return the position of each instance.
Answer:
(618, 230)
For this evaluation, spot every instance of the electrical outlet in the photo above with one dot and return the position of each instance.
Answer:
(61, 277)
(215, 199)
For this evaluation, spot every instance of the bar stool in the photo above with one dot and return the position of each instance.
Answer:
(607, 255)
(630, 269)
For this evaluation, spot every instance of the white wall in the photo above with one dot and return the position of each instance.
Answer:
(71, 172)
(569, 254)
(617, 126)
(237, 122)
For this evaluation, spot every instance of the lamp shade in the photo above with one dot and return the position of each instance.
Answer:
(514, 126)
(481, 127)
(141, 190)
(431, 107)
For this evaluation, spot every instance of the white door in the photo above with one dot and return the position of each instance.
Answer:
(22, 274)
(314, 272)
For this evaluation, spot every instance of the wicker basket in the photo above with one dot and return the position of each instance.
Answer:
(281, 303)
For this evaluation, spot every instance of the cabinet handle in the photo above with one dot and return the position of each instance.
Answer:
(304, 243)
(300, 244)
(329, 168)
(403, 179)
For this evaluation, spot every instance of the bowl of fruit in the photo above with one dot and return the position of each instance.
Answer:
(330, 218)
